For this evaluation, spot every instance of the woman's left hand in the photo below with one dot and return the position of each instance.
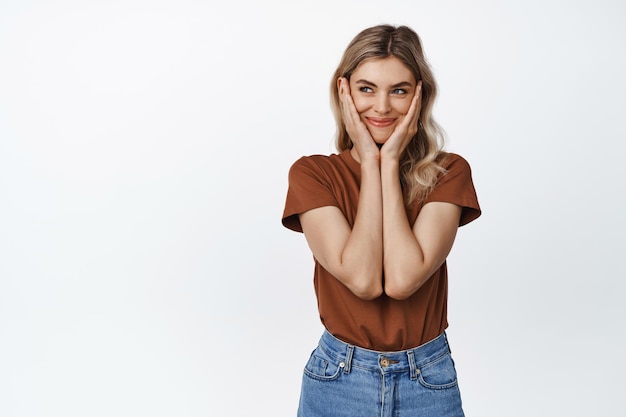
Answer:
(407, 128)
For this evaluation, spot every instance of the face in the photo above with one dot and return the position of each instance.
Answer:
(382, 90)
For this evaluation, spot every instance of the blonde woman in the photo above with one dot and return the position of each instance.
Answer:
(380, 217)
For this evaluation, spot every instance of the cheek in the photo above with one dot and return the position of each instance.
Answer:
(360, 104)
(403, 106)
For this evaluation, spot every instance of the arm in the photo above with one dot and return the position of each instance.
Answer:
(354, 256)
(411, 255)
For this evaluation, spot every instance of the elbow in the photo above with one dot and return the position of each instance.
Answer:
(366, 283)
(368, 292)
(401, 283)
(401, 288)
(398, 293)
(368, 287)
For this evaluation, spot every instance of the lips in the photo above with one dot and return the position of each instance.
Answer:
(380, 122)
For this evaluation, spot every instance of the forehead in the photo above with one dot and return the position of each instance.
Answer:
(389, 69)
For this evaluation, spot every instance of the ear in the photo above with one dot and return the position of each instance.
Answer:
(339, 80)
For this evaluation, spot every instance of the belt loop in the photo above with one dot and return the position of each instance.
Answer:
(349, 352)
(445, 338)
(412, 367)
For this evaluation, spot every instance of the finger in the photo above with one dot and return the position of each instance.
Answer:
(344, 99)
(419, 98)
(350, 109)
(412, 116)
(408, 125)
(355, 127)
(344, 94)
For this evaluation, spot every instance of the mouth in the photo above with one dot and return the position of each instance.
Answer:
(380, 122)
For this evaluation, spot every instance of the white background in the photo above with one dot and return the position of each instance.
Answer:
(144, 150)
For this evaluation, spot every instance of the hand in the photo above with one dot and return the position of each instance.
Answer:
(360, 136)
(405, 130)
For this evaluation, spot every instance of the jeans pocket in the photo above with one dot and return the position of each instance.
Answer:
(438, 374)
(322, 366)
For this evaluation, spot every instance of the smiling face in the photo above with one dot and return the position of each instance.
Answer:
(382, 90)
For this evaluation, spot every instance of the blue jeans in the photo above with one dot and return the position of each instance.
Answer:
(347, 381)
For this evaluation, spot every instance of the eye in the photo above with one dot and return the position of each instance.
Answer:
(399, 91)
(365, 89)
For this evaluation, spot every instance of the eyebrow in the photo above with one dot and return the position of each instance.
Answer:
(371, 84)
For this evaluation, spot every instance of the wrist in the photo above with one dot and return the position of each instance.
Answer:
(370, 165)
(366, 156)
(390, 155)
(390, 161)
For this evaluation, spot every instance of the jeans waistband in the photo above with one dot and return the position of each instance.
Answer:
(399, 361)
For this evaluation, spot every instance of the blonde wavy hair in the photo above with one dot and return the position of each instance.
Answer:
(420, 165)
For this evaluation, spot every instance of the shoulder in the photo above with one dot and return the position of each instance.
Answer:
(316, 160)
(456, 186)
(450, 160)
(453, 166)
(312, 184)
(315, 165)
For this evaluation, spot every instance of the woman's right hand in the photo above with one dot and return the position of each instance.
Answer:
(360, 136)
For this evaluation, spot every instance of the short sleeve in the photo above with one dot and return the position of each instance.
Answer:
(456, 186)
(309, 188)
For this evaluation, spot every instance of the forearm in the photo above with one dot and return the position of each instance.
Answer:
(404, 263)
(362, 256)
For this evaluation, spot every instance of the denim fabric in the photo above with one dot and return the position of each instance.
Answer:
(347, 381)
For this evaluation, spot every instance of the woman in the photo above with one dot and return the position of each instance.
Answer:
(380, 218)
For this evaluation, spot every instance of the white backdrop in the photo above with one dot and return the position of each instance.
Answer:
(144, 150)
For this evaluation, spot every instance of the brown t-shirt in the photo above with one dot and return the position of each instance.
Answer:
(382, 324)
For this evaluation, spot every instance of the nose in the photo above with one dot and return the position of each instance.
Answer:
(382, 105)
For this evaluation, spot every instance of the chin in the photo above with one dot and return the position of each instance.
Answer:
(380, 136)
(380, 139)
